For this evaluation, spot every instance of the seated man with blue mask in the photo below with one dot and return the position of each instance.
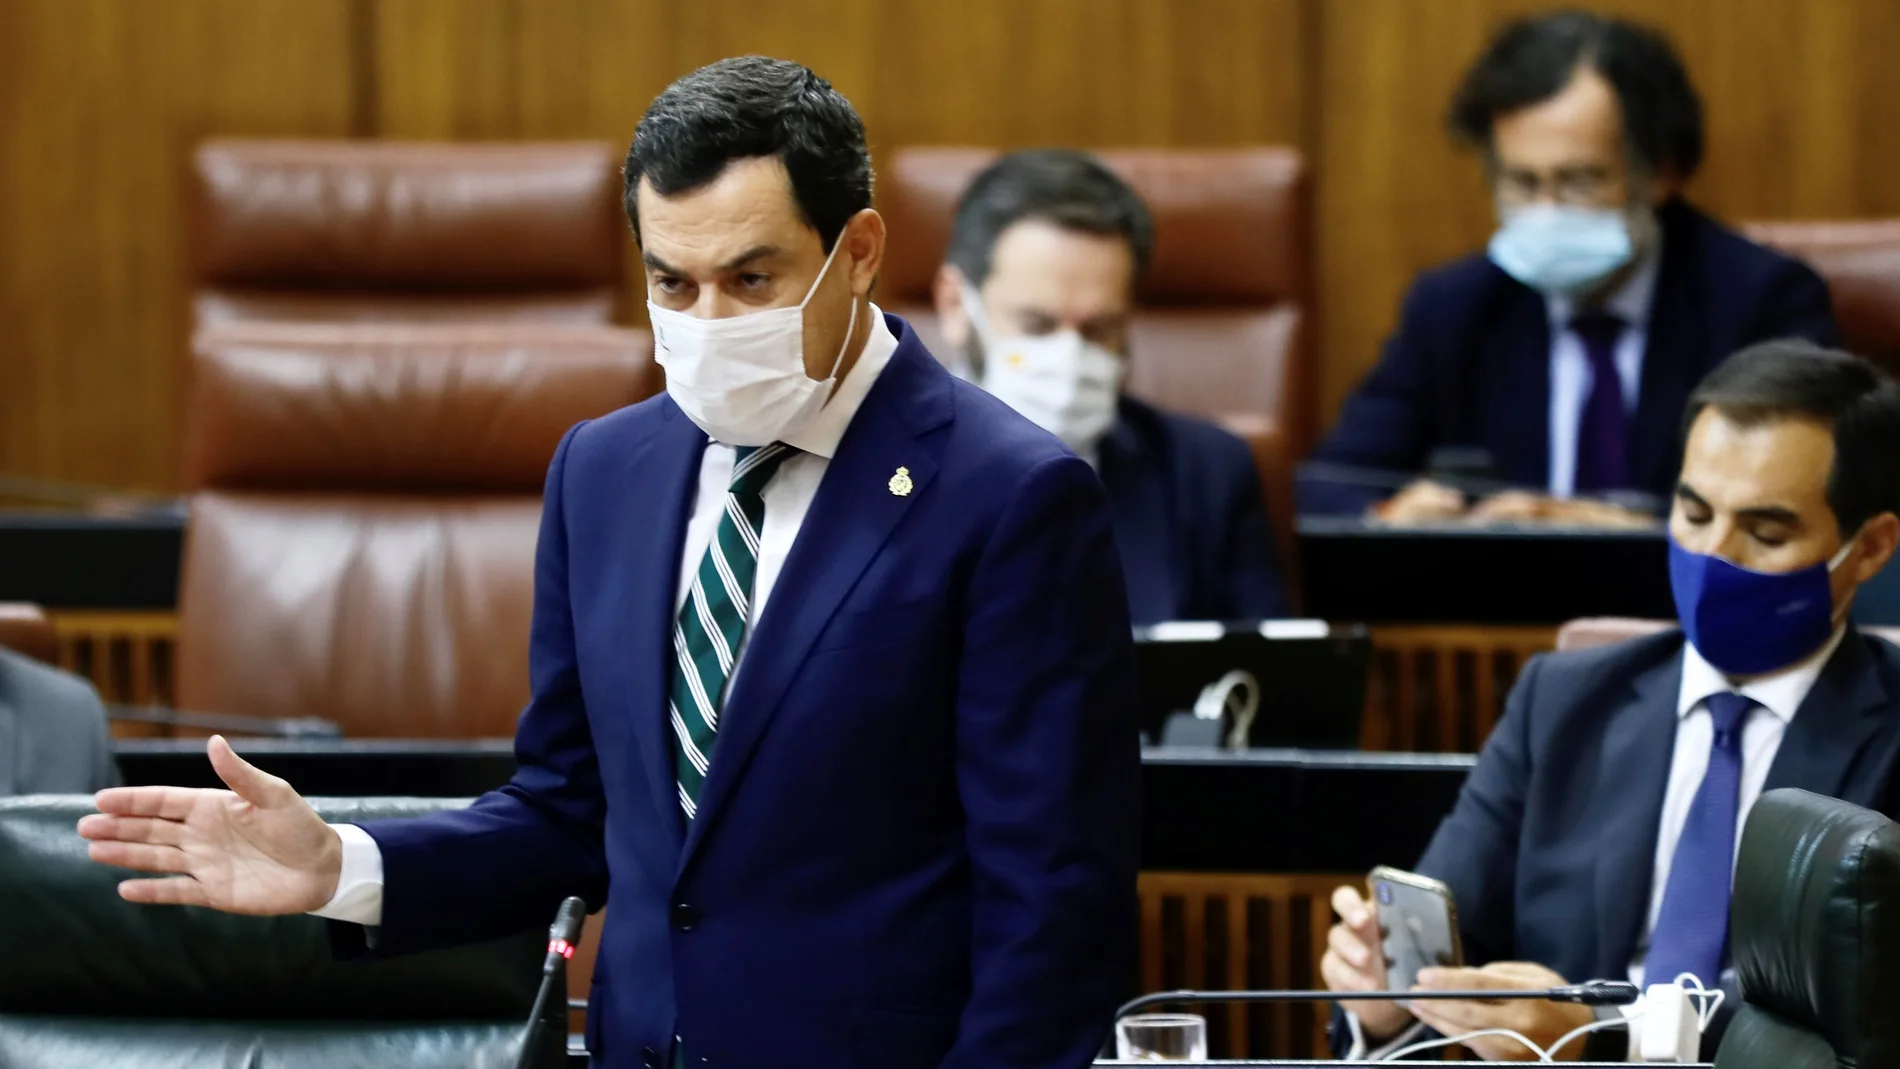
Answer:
(1596, 836)
(1045, 253)
(1564, 353)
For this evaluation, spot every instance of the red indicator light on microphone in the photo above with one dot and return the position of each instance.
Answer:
(561, 947)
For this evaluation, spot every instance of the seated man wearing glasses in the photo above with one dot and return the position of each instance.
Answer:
(1565, 352)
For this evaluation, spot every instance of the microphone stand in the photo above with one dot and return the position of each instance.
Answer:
(563, 934)
(1594, 993)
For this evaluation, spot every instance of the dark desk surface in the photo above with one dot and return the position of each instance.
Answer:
(73, 560)
(1352, 570)
(1202, 810)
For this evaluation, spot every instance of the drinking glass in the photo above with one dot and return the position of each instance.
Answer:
(1161, 1037)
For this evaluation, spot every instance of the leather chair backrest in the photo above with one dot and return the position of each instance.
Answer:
(1860, 259)
(25, 629)
(93, 980)
(1591, 631)
(365, 509)
(406, 231)
(1814, 932)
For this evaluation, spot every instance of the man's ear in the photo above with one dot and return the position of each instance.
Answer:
(1878, 539)
(947, 293)
(1666, 186)
(863, 238)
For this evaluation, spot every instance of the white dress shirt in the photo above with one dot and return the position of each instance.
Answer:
(1778, 697)
(1571, 377)
(788, 497)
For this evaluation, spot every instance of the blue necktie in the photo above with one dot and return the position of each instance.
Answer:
(1603, 432)
(1692, 930)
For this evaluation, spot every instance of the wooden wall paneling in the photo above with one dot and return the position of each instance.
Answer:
(1091, 73)
(100, 101)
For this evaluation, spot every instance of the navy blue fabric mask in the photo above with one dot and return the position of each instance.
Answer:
(1746, 622)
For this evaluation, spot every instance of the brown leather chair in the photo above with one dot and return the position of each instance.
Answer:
(1226, 307)
(1860, 259)
(406, 231)
(365, 508)
(25, 629)
(1592, 631)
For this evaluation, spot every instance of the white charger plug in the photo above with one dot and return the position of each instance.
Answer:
(1671, 1028)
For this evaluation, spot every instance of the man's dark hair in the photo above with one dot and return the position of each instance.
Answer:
(1533, 59)
(1071, 190)
(1800, 380)
(754, 106)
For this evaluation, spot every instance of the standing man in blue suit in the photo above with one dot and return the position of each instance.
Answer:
(1567, 349)
(1035, 298)
(1596, 837)
(830, 660)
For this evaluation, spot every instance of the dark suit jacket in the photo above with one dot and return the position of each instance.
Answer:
(1550, 849)
(917, 843)
(53, 737)
(1189, 520)
(1470, 363)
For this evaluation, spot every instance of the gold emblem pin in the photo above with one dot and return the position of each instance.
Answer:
(900, 483)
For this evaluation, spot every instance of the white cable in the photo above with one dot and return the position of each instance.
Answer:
(1433, 1044)
(1563, 1041)
(1713, 999)
(1236, 694)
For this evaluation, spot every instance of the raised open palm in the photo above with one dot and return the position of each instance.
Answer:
(257, 848)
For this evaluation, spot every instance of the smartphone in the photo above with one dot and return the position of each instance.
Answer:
(1418, 922)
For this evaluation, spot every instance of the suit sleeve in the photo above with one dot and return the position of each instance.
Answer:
(1795, 304)
(1248, 564)
(1048, 767)
(1475, 849)
(505, 863)
(105, 767)
(1388, 424)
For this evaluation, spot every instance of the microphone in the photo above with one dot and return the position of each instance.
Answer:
(563, 934)
(1592, 993)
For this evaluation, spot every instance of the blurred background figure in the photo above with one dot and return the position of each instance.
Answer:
(1567, 348)
(1035, 298)
(52, 725)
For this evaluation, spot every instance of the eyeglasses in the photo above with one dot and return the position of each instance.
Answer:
(1579, 187)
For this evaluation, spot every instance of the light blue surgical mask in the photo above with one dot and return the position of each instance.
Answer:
(1561, 251)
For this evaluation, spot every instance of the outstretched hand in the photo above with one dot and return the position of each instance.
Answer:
(257, 848)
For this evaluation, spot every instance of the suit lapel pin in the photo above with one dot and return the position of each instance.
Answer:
(900, 483)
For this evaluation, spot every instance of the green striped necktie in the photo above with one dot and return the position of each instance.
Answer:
(711, 623)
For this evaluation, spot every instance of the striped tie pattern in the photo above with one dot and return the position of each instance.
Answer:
(707, 632)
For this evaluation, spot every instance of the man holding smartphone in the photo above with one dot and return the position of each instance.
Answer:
(1595, 838)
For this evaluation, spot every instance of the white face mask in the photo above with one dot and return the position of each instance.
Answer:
(1061, 382)
(742, 379)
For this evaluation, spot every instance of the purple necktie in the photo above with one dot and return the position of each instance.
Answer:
(1692, 928)
(1603, 433)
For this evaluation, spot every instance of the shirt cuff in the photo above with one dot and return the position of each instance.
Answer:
(1358, 1052)
(359, 886)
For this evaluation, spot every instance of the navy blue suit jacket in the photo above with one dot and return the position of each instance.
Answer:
(917, 842)
(1550, 849)
(1470, 362)
(1189, 518)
